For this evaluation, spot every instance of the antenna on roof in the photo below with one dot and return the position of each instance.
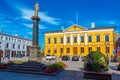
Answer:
(77, 17)
(16, 34)
(62, 27)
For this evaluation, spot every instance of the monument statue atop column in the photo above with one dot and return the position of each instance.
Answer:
(36, 7)
(35, 48)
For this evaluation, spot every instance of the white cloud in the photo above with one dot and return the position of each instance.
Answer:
(27, 13)
(109, 22)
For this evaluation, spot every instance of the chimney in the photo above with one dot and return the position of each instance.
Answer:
(16, 34)
(62, 27)
(25, 37)
(93, 25)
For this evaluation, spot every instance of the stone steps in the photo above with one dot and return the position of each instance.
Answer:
(27, 67)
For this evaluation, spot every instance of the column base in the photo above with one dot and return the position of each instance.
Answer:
(34, 53)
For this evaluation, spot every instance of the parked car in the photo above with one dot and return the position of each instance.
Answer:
(65, 58)
(50, 57)
(75, 58)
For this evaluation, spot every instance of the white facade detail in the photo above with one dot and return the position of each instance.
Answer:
(78, 39)
(13, 46)
(86, 39)
(64, 39)
(71, 39)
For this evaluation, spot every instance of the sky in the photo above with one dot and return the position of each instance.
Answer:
(15, 15)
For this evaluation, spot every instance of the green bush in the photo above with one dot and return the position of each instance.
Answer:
(3, 64)
(96, 61)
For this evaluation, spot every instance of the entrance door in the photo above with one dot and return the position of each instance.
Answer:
(74, 50)
(1, 53)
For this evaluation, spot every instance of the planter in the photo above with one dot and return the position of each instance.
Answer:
(3, 67)
(52, 73)
(97, 75)
(118, 68)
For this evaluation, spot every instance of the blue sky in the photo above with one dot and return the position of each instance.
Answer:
(15, 15)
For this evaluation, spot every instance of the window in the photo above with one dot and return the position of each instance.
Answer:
(1, 37)
(98, 38)
(89, 38)
(18, 46)
(9, 38)
(82, 49)
(48, 50)
(82, 38)
(68, 39)
(106, 38)
(13, 46)
(55, 40)
(6, 38)
(23, 46)
(7, 45)
(98, 48)
(68, 50)
(55, 51)
(14, 40)
(61, 40)
(89, 49)
(61, 50)
(0, 44)
(75, 39)
(48, 40)
(107, 49)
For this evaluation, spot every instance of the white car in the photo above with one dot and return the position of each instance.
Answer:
(50, 57)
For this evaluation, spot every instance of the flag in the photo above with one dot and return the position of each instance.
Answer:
(114, 51)
(118, 48)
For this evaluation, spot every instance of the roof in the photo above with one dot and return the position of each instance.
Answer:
(55, 31)
(105, 27)
(13, 36)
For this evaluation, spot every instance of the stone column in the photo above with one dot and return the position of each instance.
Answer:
(86, 39)
(78, 39)
(35, 48)
(71, 39)
(35, 30)
(64, 39)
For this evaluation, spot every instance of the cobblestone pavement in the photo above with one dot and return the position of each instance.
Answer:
(72, 72)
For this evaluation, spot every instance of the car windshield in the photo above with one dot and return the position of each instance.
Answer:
(48, 55)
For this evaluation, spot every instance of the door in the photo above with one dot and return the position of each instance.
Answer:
(74, 50)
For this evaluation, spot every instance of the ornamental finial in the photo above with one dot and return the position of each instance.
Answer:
(36, 8)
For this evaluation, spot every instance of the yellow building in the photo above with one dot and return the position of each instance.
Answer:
(76, 40)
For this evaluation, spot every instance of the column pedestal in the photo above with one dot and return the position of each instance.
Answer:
(34, 53)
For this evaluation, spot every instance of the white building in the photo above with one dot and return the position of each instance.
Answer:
(14, 47)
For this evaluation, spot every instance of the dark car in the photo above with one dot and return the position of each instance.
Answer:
(65, 58)
(75, 58)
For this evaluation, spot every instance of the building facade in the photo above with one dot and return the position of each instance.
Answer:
(76, 40)
(13, 46)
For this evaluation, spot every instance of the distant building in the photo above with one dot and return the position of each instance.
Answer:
(13, 46)
(76, 40)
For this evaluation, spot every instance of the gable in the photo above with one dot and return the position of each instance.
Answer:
(74, 28)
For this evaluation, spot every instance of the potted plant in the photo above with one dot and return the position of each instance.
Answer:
(55, 67)
(96, 63)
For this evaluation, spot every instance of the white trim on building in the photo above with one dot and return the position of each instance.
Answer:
(13, 46)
